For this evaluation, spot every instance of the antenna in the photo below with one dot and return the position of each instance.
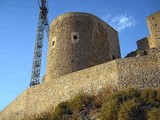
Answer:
(42, 24)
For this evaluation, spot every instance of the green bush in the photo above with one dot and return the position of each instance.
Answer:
(148, 96)
(130, 110)
(112, 103)
(154, 114)
(130, 104)
(109, 110)
(69, 108)
(61, 110)
(80, 102)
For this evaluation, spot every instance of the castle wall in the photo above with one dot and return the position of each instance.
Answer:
(142, 44)
(78, 41)
(152, 41)
(140, 72)
(135, 72)
(44, 97)
(154, 29)
(16, 109)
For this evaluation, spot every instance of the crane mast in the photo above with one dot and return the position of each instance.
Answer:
(42, 25)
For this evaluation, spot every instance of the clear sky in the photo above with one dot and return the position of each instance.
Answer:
(18, 23)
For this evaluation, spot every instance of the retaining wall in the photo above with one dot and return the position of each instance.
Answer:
(139, 72)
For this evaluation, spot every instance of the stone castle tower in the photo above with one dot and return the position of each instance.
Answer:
(78, 41)
(152, 41)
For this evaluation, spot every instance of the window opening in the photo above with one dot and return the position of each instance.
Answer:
(156, 25)
(145, 53)
(75, 37)
(113, 57)
(53, 42)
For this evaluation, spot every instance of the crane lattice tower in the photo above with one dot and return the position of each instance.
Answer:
(42, 25)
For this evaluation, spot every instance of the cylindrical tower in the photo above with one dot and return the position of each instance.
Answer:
(78, 41)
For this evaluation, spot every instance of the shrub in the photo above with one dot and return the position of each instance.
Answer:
(61, 110)
(112, 103)
(130, 110)
(154, 114)
(80, 102)
(130, 104)
(148, 96)
(109, 110)
(72, 107)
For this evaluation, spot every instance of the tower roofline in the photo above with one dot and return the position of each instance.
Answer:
(153, 14)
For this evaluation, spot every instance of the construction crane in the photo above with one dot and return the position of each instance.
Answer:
(42, 25)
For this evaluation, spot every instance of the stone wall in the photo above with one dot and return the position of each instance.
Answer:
(142, 44)
(138, 72)
(154, 29)
(78, 41)
(16, 109)
(44, 97)
(152, 41)
(145, 52)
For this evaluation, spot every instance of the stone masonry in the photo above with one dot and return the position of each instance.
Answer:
(143, 44)
(78, 41)
(138, 72)
(153, 22)
(80, 60)
(152, 41)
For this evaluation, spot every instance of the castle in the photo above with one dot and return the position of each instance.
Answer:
(84, 55)
(79, 41)
(152, 41)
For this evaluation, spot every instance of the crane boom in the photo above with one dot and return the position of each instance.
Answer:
(42, 24)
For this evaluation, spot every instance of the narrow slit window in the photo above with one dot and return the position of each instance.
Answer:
(53, 42)
(113, 57)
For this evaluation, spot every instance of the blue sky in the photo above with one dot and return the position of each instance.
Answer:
(18, 22)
